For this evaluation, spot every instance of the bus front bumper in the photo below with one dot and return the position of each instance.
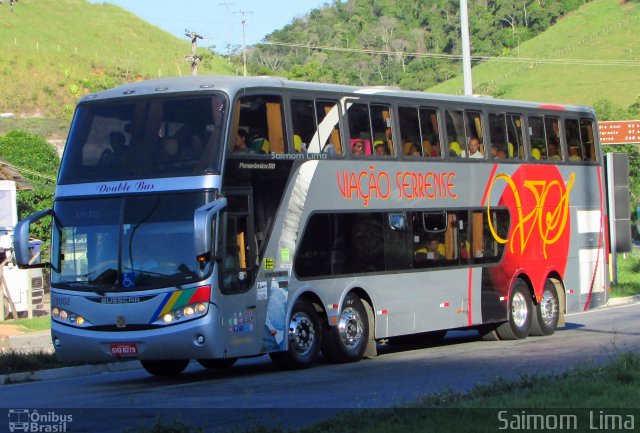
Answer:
(196, 339)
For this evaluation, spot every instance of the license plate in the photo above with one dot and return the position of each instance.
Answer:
(124, 349)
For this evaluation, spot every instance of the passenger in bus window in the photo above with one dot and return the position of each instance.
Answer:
(554, 154)
(474, 149)
(573, 154)
(258, 142)
(454, 149)
(413, 150)
(240, 142)
(435, 149)
(381, 149)
(431, 252)
(116, 154)
(298, 145)
(498, 153)
(358, 147)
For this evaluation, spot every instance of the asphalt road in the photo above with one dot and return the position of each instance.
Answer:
(254, 390)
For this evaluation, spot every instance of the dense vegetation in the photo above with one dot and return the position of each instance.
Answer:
(38, 163)
(413, 45)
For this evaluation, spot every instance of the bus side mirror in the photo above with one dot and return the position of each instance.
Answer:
(203, 226)
(21, 245)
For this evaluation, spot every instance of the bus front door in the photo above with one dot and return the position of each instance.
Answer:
(238, 306)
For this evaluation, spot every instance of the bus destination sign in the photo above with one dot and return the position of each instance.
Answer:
(619, 132)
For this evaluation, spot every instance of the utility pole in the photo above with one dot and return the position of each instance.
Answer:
(193, 58)
(228, 31)
(466, 50)
(244, 41)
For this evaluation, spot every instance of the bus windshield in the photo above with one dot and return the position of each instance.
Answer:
(144, 138)
(126, 243)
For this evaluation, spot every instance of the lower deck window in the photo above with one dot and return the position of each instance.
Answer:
(353, 243)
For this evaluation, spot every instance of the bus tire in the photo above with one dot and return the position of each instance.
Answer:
(520, 311)
(547, 312)
(348, 340)
(167, 367)
(217, 364)
(305, 335)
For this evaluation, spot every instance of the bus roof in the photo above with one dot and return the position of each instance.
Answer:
(232, 84)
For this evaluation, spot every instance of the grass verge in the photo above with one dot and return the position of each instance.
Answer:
(35, 324)
(15, 361)
(594, 398)
(628, 275)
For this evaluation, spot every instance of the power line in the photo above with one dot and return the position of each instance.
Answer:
(580, 62)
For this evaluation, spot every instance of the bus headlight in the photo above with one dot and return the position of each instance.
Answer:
(68, 317)
(188, 312)
(195, 305)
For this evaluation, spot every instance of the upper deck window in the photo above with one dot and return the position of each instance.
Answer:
(464, 134)
(370, 130)
(316, 127)
(544, 133)
(580, 140)
(258, 127)
(419, 132)
(144, 138)
(505, 131)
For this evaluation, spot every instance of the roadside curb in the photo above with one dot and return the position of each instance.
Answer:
(68, 372)
(622, 301)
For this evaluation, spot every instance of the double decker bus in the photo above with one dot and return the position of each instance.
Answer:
(214, 218)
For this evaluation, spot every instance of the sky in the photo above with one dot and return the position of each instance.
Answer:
(210, 19)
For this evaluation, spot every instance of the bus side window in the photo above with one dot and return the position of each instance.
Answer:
(455, 132)
(303, 120)
(359, 129)
(381, 124)
(430, 132)
(552, 131)
(586, 139)
(574, 145)
(536, 138)
(262, 117)
(328, 132)
(316, 127)
(410, 135)
(498, 136)
(474, 135)
(515, 141)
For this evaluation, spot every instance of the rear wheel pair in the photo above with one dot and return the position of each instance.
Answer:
(525, 318)
(307, 335)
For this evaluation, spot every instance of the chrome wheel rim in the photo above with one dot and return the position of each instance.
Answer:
(302, 334)
(519, 309)
(548, 308)
(350, 327)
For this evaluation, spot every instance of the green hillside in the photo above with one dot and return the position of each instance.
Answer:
(601, 31)
(54, 51)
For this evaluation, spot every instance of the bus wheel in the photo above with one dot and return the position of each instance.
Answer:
(547, 313)
(165, 367)
(520, 312)
(348, 340)
(217, 364)
(304, 339)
